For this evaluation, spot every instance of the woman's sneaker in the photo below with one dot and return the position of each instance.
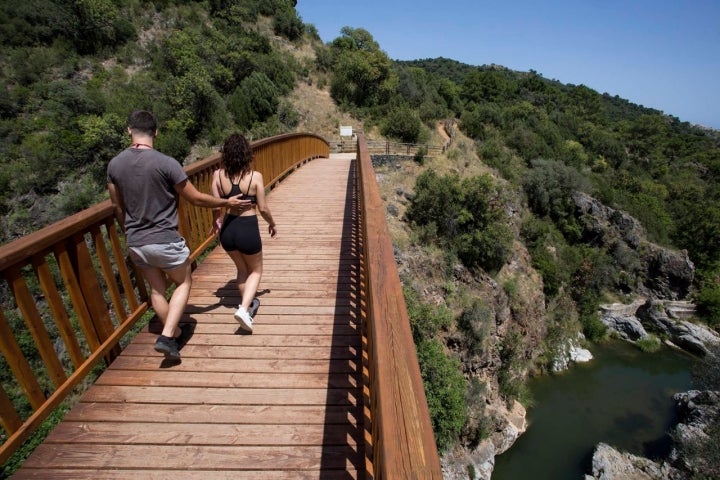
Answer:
(244, 318)
(254, 307)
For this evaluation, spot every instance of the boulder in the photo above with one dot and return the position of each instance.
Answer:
(570, 352)
(611, 464)
(687, 335)
(627, 326)
(670, 273)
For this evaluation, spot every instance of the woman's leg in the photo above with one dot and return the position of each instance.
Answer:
(242, 270)
(254, 265)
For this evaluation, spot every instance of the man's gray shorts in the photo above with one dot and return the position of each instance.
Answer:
(164, 256)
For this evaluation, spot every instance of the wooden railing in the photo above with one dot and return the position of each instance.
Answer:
(383, 147)
(403, 445)
(75, 295)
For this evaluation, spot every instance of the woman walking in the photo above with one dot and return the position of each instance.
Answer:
(239, 230)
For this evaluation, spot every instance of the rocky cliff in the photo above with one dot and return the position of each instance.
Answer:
(514, 303)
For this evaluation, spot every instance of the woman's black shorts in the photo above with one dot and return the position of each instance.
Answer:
(241, 234)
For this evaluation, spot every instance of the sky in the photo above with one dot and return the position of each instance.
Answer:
(661, 54)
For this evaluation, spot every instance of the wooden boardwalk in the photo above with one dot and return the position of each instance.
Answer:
(283, 403)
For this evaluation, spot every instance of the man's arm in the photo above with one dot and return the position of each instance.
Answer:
(117, 201)
(217, 211)
(188, 191)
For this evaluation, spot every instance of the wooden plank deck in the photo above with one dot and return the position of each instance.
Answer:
(283, 403)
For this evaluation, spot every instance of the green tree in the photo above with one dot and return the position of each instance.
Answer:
(485, 237)
(549, 186)
(99, 23)
(492, 85)
(708, 299)
(362, 73)
(256, 99)
(287, 24)
(403, 123)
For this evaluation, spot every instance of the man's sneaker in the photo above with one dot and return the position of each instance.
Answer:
(244, 318)
(186, 331)
(254, 307)
(168, 347)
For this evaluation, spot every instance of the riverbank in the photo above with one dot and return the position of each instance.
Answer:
(624, 397)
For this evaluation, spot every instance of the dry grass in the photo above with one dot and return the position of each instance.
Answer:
(318, 112)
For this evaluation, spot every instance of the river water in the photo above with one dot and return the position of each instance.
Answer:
(622, 397)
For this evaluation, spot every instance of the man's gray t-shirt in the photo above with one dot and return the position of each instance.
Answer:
(146, 180)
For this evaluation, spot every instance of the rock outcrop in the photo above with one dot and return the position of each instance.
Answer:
(571, 352)
(666, 318)
(660, 272)
(611, 464)
(478, 463)
(687, 335)
(697, 410)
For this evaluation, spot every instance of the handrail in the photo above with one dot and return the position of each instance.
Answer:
(385, 147)
(403, 445)
(74, 291)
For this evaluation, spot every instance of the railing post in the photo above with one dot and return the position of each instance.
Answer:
(91, 293)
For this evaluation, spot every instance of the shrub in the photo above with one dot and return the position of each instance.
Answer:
(549, 186)
(402, 123)
(287, 24)
(445, 391)
(511, 374)
(173, 141)
(287, 115)
(593, 328)
(425, 320)
(649, 344)
(419, 157)
(467, 216)
(708, 302)
(476, 323)
(76, 194)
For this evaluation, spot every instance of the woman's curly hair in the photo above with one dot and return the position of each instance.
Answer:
(237, 155)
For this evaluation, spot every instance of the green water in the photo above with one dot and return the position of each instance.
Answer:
(622, 397)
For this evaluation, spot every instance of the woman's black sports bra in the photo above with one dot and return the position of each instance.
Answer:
(235, 190)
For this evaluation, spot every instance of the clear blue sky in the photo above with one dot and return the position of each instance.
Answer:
(662, 54)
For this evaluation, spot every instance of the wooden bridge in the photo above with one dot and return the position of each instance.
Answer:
(327, 386)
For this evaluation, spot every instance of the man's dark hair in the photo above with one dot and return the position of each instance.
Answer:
(141, 121)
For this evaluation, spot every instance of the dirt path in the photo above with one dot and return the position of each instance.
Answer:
(442, 132)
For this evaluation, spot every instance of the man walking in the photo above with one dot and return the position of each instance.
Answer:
(144, 187)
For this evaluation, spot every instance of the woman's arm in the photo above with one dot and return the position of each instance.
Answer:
(262, 204)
